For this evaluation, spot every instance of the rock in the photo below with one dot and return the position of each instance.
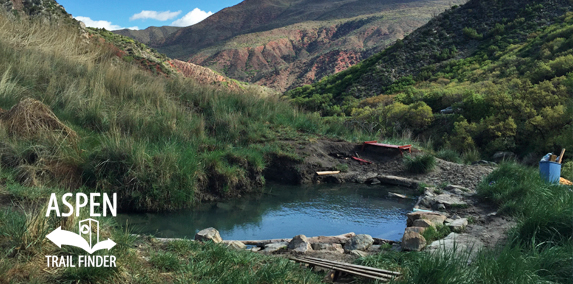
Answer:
(299, 244)
(365, 177)
(449, 200)
(423, 223)
(481, 162)
(358, 242)
(374, 248)
(273, 247)
(413, 241)
(400, 181)
(255, 249)
(441, 206)
(375, 181)
(459, 242)
(358, 253)
(460, 190)
(436, 218)
(209, 234)
(236, 245)
(458, 225)
(418, 230)
(328, 247)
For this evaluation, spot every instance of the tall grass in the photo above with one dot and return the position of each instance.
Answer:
(420, 164)
(152, 139)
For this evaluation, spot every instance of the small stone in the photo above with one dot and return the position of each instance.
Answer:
(358, 253)
(374, 248)
(299, 244)
(236, 245)
(328, 247)
(375, 181)
(458, 243)
(359, 242)
(418, 230)
(209, 234)
(436, 218)
(458, 225)
(273, 247)
(422, 223)
(413, 241)
(255, 249)
(441, 206)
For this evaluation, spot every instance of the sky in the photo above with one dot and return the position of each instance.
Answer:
(140, 14)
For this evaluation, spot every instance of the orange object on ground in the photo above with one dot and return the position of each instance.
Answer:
(362, 161)
(564, 181)
(401, 148)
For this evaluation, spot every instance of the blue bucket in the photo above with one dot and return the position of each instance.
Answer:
(550, 171)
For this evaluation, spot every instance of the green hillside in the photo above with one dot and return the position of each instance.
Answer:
(505, 67)
(147, 137)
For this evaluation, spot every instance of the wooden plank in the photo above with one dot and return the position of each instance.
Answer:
(356, 266)
(350, 267)
(561, 155)
(392, 194)
(327, 173)
(350, 270)
(366, 274)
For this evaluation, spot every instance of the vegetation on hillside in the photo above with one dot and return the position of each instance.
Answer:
(507, 76)
(160, 143)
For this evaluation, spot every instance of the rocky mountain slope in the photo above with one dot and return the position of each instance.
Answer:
(288, 43)
(149, 59)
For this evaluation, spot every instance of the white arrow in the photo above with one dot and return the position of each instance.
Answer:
(62, 237)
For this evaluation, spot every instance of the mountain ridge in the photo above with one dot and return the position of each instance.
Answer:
(323, 37)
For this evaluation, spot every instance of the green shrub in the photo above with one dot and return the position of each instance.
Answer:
(419, 164)
(471, 156)
(435, 233)
(472, 33)
(567, 170)
(342, 167)
(449, 155)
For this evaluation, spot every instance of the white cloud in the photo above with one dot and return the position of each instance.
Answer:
(98, 24)
(192, 18)
(102, 24)
(160, 16)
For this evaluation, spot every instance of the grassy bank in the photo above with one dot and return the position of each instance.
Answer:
(161, 143)
(539, 249)
(23, 247)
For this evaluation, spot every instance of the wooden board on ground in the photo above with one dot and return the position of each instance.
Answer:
(360, 270)
(327, 173)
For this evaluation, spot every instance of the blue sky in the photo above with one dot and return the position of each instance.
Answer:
(140, 14)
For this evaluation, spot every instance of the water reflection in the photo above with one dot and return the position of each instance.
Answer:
(284, 211)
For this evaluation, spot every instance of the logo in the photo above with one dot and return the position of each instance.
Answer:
(62, 237)
(88, 237)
